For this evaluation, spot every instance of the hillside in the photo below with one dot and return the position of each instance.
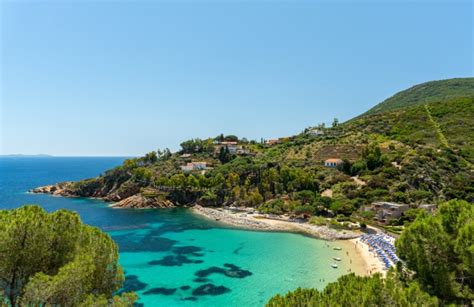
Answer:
(433, 91)
(418, 154)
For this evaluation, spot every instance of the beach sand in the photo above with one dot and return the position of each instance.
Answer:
(363, 262)
(258, 222)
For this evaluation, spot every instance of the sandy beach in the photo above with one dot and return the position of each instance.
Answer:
(363, 262)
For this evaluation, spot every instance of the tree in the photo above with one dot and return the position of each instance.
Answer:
(373, 156)
(151, 157)
(220, 138)
(231, 138)
(254, 198)
(440, 250)
(166, 154)
(224, 155)
(305, 196)
(54, 259)
(335, 123)
(352, 290)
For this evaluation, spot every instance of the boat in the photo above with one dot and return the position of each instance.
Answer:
(337, 258)
(334, 266)
(337, 248)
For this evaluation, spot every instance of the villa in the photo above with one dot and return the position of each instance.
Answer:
(333, 162)
(315, 132)
(387, 211)
(272, 142)
(195, 166)
(232, 146)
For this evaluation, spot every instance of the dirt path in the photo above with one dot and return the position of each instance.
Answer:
(442, 139)
(358, 181)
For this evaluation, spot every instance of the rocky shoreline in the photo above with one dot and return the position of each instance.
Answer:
(59, 189)
(260, 223)
(136, 201)
(238, 219)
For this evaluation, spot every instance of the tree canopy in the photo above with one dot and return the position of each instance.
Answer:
(55, 259)
(352, 290)
(440, 249)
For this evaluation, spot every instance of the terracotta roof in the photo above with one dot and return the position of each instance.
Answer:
(333, 160)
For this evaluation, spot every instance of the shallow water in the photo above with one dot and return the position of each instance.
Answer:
(172, 257)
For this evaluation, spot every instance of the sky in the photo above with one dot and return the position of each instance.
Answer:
(122, 78)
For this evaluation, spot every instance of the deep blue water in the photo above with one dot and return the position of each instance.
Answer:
(171, 256)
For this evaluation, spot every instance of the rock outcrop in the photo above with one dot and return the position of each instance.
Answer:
(127, 196)
(139, 201)
(62, 189)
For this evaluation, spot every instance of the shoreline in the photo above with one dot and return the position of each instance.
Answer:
(365, 262)
(258, 222)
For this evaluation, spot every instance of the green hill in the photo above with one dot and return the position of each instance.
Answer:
(428, 92)
(421, 153)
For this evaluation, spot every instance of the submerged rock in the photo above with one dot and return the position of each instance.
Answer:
(163, 291)
(231, 271)
(210, 289)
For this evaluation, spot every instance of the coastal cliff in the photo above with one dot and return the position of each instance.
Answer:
(131, 197)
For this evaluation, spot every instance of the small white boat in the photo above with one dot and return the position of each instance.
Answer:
(337, 258)
(337, 248)
(334, 266)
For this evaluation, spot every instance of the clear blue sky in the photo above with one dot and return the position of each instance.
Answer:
(127, 77)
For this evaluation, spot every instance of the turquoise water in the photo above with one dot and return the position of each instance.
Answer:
(172, 257)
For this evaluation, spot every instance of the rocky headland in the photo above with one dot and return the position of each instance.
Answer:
(125, 198)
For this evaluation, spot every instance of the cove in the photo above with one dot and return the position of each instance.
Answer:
(173, 257)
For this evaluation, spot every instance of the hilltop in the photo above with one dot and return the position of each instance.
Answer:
(433, 91)
(416, 154)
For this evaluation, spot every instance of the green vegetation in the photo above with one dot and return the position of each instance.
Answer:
(54, 259)
(417, 154)
(439, 255)
(440, 249)
(352, 290)
(420, 149)
(416, 147)
(428, 92)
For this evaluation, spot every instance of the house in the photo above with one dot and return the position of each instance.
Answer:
(243, 151)
(387, 211)
(186, 155)
(232, 146)
(333, 162)
(315, 132)
(430, 208)
(194, 166)
(272, 142)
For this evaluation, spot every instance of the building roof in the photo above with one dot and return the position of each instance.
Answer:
(389, 204)
(334, 160)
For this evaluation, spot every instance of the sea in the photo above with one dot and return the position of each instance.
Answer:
(173, 257)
